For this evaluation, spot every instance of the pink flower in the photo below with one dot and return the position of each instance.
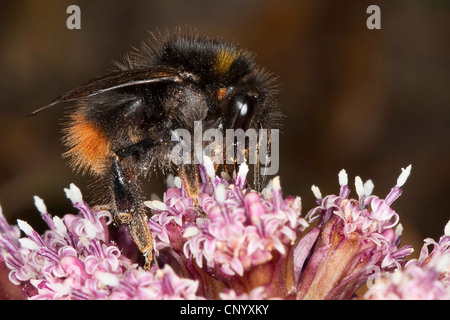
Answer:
(75, 259)
(238, 232)
(231, 243)
(426, 278)
(352, 237)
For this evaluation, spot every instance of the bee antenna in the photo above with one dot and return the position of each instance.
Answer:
(51, 104)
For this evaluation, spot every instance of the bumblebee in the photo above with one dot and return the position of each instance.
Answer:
(120, 127)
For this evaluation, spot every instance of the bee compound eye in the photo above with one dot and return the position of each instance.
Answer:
(244, 107)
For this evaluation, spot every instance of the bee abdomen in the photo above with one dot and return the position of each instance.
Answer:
(89, 149)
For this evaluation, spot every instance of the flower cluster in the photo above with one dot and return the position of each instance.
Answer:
(426, 278)
(241, 237)
(352, 237)
(229, 243)
(75, 259)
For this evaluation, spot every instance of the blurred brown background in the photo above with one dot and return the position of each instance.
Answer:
(369, 101)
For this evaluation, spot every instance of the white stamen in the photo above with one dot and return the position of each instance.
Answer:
(209, 166)
(74, 194)
(443, 264)
(397, 276)
(59, 224)
(398, 230)
(156, 205)
(220, 194)
(177, 182)
(343, 178)
(447, 228)
(29, 244)
(269, 186)
(368, 187)
(39, 204)
(276, 183)
(60, 288)
(359, 186)
(190, 232)
(170, 181)
(90, 229)
(316, 192)
(267, 191)
(107, 278)
(159, 273)
(403, 176)
(243, 170)
(24, 226)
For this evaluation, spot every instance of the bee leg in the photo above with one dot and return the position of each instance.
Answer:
(190, 177)
(136, 149)
(130, 211)
(142, 236)
(120, 217)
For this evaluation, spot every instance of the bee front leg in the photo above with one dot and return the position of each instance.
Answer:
(130, 210)
(190, 177)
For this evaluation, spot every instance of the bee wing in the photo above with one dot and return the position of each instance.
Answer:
(116, 80)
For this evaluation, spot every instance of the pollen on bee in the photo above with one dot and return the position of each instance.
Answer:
(221, 93)
(88, 145)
